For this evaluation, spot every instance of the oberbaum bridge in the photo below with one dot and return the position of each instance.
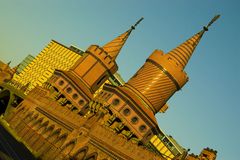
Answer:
(66, 103)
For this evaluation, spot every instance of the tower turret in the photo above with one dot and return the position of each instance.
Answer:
(77, 86)
(135, 103)
(208, 154)
(95, 67)
(163, 74)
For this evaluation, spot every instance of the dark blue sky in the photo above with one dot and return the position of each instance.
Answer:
(205, 112)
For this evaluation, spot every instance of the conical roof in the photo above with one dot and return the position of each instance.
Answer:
(114, 47)
(184, 51)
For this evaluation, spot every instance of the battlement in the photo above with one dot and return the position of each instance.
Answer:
(104, 57)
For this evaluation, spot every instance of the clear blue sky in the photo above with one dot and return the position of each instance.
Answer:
(205, 112)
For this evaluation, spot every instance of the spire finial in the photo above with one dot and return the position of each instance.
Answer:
(183, 52)
(134, 26)
(205, 28)
(113, 47)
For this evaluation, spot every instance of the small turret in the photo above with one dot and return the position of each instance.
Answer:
(78, 85)
(208, 154)
(98, 64)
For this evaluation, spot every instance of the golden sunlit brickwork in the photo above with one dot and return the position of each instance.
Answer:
(85, 111)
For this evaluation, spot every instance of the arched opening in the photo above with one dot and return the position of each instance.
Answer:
(49, 147)
(41, 142)
(43, 127)
(34, 133)
(67, 149)
(48, 132)
(4, 100)
(61, 140)
(54, 136)
(81, 153)
(55, 150)
(92, 156)
(39, 132)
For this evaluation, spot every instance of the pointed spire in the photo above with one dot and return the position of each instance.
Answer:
(183, 52)
(113, 47)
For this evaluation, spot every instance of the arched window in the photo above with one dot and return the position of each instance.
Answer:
(61, 139)
(92, 156)
(81, 153)
(67, 149)
(61, 82)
